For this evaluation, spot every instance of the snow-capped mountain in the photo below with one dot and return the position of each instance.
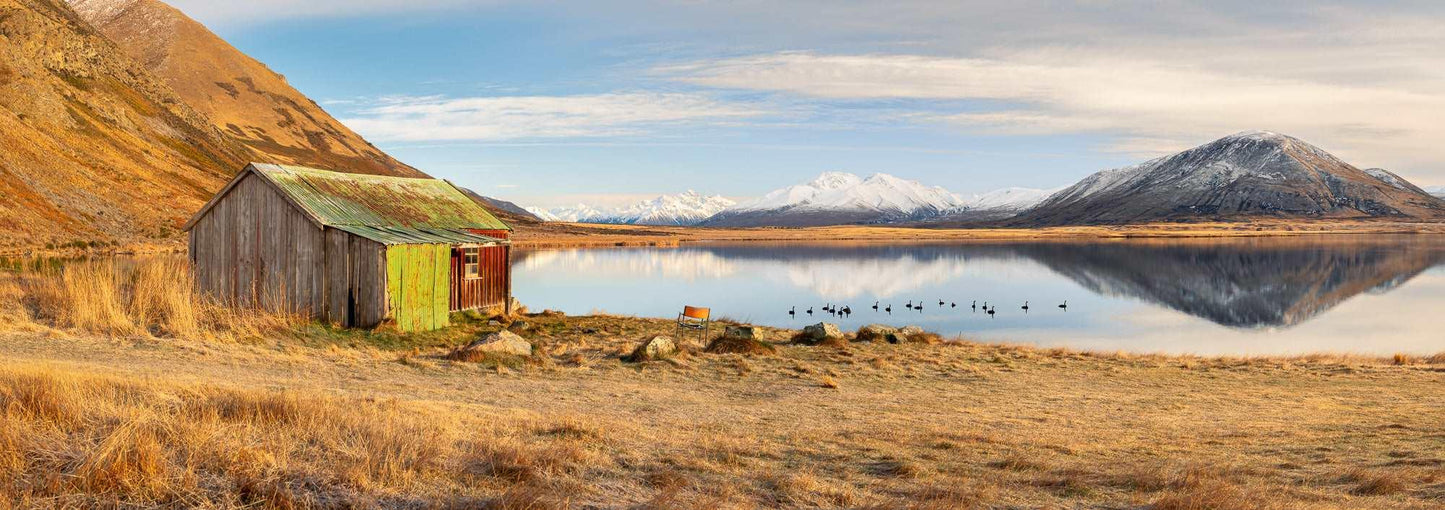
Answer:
(686, 208)
(1254, 173)
(1009, 199)
(580, 213)
(836, 198)
(1438, 191)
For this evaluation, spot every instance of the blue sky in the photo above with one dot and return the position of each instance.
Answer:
(550, 103)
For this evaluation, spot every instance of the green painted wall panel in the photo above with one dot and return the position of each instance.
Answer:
(419, 285)
(442, 289)
(396, 259)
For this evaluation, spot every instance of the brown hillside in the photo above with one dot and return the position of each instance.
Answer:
(241, 96)
(92, 147)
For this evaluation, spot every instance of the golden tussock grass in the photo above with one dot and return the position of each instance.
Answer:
(740, 345)
(80, 441)
(147, 297)
(952, 425)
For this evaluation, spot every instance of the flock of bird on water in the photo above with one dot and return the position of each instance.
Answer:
(846, 311)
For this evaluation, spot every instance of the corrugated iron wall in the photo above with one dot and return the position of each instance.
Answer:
(419, 285)
(488, 291)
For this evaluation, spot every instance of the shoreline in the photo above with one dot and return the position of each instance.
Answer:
(586, 235)
(630, 235)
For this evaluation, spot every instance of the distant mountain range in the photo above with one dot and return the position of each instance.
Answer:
(839, 198)
(686, 208)
(833, 198)
(1438, 191)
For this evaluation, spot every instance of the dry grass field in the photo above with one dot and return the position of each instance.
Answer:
(127, 411)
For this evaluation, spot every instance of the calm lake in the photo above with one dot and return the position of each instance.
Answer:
(1360, 294)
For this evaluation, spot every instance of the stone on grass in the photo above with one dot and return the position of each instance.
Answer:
(501, 342)
(819, 332)
(658, 348)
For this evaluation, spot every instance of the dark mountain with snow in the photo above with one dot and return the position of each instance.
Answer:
(1250, 174)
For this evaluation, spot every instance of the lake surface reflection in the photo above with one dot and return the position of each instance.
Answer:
(1362, 294)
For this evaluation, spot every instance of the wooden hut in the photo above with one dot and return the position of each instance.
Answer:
(350, 249)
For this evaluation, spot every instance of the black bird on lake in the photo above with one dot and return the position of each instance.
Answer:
(953, 305)
(991, 311)
(909, 305)
(793, 312)
(875, 306)
(810, 310)
(888, 309)
(940, 303)
(974, 305)
(1065, 306)
(1026, 307)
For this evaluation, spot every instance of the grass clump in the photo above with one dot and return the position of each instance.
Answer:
(922, 337)
(869, 334)
(802, 338)
(1378, 482)
(740, 345)
(828, 382)
(487, 359)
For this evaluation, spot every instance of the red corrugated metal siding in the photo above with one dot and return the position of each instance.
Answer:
(499, 234)
(487, 291)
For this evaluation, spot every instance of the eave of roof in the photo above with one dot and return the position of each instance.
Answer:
(404, 235)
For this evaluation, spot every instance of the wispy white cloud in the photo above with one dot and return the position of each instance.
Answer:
(436, 118)
(1134, 97)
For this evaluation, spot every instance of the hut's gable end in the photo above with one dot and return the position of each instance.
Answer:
(252, 246)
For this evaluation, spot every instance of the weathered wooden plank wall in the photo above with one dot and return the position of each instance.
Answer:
(255, 249)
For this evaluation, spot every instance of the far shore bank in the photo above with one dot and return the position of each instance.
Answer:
(590, 235)
(581, 235)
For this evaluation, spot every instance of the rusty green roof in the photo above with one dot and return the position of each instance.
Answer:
(341, 199)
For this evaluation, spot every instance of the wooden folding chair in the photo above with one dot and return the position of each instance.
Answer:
(694, 318)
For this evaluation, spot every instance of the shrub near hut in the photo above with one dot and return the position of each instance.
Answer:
(739, 340)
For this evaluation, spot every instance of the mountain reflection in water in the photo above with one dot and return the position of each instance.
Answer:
(1243, 284)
